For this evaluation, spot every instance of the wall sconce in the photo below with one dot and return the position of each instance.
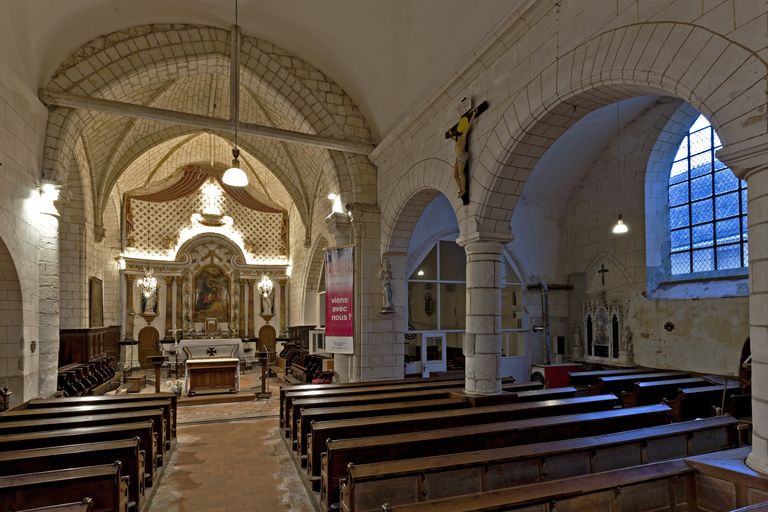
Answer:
(336, 205)
(620, 228)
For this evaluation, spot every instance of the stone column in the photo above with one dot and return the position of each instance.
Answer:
(174, 307)
(49, 301)
(129, 311)
(256, 309)
(246, 308)
(283, 308)
(482, 339)
(399, 318)
(168, 307)
(751, 164)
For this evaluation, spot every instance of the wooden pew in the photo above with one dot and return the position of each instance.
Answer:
(143, 430)
(659, 486)
(360, 399)
(323, 431)
(399, 482)
(93, 420)
(487, 436)
(102, 484)
(127, 451)
(757, 507)
(86, 505)
(619, 383)
(105, 400)
(312, 387)
(653, 392)
(691, 403)
(290, 396)
(364, 411)
(87, 410)
(588, 378)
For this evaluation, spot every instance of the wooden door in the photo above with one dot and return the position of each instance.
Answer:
(267, 337)
(148, 345)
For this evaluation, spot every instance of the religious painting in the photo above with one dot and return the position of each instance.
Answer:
(96, 302)
(211, 294)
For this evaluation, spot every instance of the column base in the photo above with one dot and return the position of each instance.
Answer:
(761, 466)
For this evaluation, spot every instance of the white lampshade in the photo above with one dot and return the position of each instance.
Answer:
(235, 177)
(620, 227)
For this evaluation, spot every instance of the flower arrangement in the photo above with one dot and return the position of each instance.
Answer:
(175, 386)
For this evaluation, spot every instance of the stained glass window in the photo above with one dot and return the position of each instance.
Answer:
(707, 207)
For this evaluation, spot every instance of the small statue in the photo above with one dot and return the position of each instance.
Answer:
(267, 302)
(150, 302)
(385, 273)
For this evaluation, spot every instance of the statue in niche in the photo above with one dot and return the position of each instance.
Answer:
(385, 274)
(267, 303)
(149, 303)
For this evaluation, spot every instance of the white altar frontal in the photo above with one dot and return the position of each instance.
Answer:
(211, 364)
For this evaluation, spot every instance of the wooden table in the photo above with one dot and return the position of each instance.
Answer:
(212, 373)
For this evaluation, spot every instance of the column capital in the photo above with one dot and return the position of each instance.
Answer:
(746, 158)
(487, 240)
(338, 225)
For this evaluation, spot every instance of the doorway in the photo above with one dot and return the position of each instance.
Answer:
(149, 345)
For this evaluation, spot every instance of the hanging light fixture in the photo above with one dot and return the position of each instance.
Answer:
(620, 228)
(235, 176)
(147, 284)
(265, 286)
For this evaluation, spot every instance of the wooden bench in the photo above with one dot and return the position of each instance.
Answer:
(105, 400)
(411, 395)
(588, 378)
(103, 484)
(659, 486)
(93, 420)
(367, 486)
(757, 507)
(127, 451)
(321, 432)
(290, 396)
(619, 383)
(691, 403)
(364, 411)
(364, 384)
(87, 410)
(487, 436)
(653, 392)
(86, 505)
(144, 430)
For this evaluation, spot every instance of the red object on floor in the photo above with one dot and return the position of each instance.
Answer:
(556, 375)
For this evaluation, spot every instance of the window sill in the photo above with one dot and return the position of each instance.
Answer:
(707, 285)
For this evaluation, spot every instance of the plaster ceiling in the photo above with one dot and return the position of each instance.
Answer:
(387, 54)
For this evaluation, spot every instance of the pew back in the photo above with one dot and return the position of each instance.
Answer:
(101, 483)
(127, 451)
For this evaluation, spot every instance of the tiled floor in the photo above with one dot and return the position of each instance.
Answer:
(222, 464)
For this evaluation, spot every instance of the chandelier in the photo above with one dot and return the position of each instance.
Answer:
(265, 285)
(147, 284)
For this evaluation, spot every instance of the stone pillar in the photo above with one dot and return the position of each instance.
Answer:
(751, 164)
(168, 307)
(129, 311)
(256, 308)
(283, 309)
(49, 301)
(482, 339)
(246, 308)
(399, 318)
(174, 307)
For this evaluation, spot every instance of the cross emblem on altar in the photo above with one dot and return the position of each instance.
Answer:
(211, 351)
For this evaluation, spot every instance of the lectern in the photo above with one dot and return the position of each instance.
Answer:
(156, 362)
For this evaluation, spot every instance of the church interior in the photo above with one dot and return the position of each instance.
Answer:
(383, 255)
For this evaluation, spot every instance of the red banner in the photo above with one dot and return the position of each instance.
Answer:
(339, 299)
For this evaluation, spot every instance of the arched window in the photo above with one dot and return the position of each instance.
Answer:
(707, 207)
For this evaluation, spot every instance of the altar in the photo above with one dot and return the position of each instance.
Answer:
(211, 364)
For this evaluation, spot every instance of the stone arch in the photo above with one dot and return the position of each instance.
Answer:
(415, 189)
(16, 359)
(106, 67)
(312, 277)
(631, 60)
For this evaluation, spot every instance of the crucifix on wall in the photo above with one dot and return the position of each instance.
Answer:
(602, 272)
(460, 133)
